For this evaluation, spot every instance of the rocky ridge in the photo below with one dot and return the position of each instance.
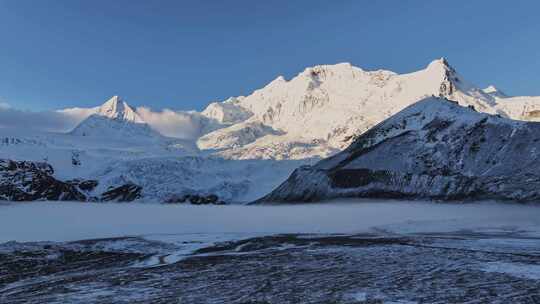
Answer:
(434, 149)
(31, 181)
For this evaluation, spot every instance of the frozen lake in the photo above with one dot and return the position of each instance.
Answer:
(69, 221)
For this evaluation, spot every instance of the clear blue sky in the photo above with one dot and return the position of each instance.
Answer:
(184, 54)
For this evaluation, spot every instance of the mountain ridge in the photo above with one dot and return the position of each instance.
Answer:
(330, 105)
(433, 149)
(245, 146)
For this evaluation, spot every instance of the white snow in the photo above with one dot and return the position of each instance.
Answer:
(116, 108)
(359, 296)
(525, 271)
(328, 104)
(231, 180)
(490, 89)
(227, 112)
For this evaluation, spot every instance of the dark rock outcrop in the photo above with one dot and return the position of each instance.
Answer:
(124, 193)
(434, 149)
(31, 181)
(195, 199)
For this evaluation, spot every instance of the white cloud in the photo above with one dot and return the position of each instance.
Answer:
(4, 104)
(186, 125)
(78, 114)
(45, 121)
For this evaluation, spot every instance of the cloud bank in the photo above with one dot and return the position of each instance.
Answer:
(52, 121)
(185, 125)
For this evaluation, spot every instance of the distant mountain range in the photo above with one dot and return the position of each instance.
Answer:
(320, 111)
(245, 146)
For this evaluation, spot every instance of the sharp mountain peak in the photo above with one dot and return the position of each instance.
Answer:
(117, 108)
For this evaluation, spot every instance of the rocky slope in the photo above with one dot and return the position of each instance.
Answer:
(433, 149)
(31, 181)
(460, 267)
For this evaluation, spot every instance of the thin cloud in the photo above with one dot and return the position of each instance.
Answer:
(4, 104)
(186, 125)
(43, 121)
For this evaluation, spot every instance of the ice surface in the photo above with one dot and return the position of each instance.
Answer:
(48, 221)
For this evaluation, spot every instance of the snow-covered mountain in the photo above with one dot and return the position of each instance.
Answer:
(323, 108)
(117, 109)
(315, 114)
(115, 119)
(287, 123)
(433, 149)
(493, 91)
(116, 151)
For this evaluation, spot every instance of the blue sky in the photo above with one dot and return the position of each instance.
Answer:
(184, 54)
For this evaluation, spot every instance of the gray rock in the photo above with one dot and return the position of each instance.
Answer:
(31, 181)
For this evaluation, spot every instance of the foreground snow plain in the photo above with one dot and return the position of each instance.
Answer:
(356, 251)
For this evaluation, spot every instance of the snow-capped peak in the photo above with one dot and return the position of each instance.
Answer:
(493, 90)
(490, 89)
(451, 83)
(116, 108)
(115, 119)
(440, 63)
(441, 67)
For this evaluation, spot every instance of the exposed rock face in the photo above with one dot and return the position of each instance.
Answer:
(195, 199)
(31, 181)
(85, 185)
(434, 149)
(124, 193)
